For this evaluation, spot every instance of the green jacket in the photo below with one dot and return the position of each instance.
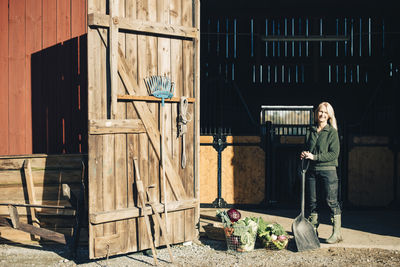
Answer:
(324, 146)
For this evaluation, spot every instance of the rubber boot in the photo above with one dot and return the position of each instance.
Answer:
(336, 236)
(313, 219)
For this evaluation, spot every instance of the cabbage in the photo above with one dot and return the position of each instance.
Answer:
(234, 215)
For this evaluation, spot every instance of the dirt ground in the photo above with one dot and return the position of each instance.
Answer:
(205, 252)
(371, 238)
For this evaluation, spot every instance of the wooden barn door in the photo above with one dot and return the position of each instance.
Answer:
(128, 41)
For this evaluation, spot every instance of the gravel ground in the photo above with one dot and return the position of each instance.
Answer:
(204, 252)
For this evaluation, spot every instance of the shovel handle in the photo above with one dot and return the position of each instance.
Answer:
(304, 167)
(305, 163)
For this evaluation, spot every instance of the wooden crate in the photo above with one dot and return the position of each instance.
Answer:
(48, 173)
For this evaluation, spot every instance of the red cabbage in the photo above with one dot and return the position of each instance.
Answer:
(234, 215)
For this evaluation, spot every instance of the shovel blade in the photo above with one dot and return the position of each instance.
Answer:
(304, 234)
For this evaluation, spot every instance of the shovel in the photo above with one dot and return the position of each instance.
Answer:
(303, 230)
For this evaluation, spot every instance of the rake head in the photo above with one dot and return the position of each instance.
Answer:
(160, 87)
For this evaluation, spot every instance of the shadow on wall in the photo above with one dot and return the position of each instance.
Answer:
(59, 98)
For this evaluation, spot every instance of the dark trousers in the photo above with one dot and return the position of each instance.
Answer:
(330, 185)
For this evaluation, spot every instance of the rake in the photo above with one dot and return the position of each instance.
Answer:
(161, 87)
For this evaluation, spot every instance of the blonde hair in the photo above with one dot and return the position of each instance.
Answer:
(331, 114)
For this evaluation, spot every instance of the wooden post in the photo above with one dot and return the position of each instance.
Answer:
(14, 216)
(31, 190)
(113, 50)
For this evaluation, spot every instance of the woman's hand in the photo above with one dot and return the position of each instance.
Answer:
(306, 155)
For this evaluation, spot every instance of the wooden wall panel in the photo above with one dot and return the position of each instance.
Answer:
(370, 176)
(4, 148)
(17, 76)
(33, 44)
(36, 72)
(243, 172)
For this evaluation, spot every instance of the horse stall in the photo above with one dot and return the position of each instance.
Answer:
(93, 130)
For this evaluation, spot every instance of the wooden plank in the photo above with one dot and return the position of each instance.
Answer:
(44, 233)
(113, 50)
(175, 17)
(196, 139)
(143, 69)
(63, 20)
(31, 190)
(188, 70)
(35, 206)
(22, 211)
(102, 20)
(121, 153)
(107, 245)
(40, 177)
(33, 44)
(164, 69)
(41, 162)
(78, 17)
(151, 128)
(49, 23)
(4, 76)
(150, 98)
(116, 126)
(13, 236)
(14, 216)
(131, 56)
(134, 212)
(17, 90)
(97, 109)
(16, 193)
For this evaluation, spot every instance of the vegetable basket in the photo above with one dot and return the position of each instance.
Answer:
(240, 242)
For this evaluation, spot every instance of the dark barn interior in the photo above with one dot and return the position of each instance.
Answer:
(300, 53)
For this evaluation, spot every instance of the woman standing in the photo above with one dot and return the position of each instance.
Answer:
(322, 148)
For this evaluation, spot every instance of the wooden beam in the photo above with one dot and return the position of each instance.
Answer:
(116, 126)
(44, 233)
(36, 206)
(13, 215)
(113, 50)
(101, 20)
(129, 213)
(31, 190)
(151, 126)
(149, 98)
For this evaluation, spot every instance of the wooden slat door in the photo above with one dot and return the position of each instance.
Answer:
(140, 39)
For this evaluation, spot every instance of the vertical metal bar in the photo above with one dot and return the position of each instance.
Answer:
(292, 35)
(337, 33)
(227, 39)
(279, 33)
(234, 38)
(352, 37)
(252, 36)
(217, 37)
(320, 33)
(369, 36)
(345, 33)
(329, 73)
(300, 43)
(273, 42)
(266, 34)
(360, 41)
(306, 42)
(285, 36)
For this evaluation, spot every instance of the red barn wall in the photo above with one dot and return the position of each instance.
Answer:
(42, 79)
